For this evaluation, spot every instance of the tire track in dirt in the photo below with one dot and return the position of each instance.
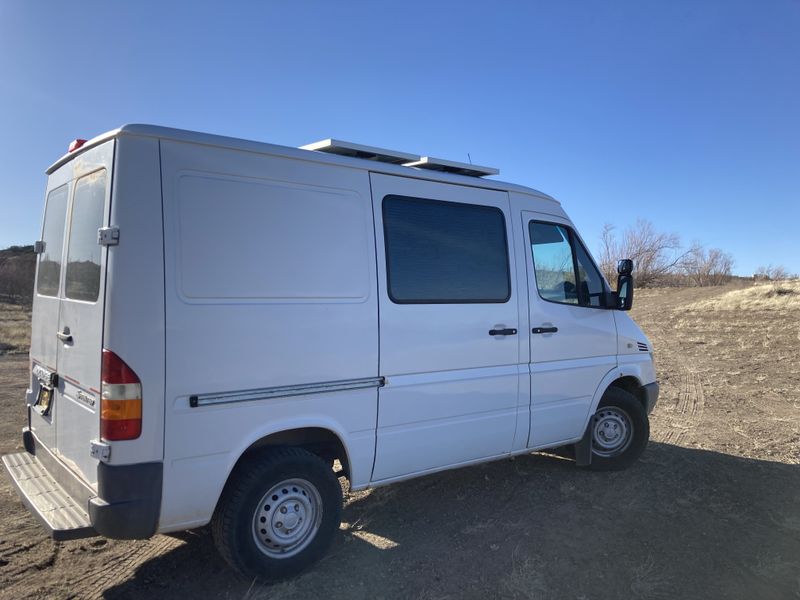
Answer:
(689, 409)
(22, 558)
(685, 414)
(94, 585)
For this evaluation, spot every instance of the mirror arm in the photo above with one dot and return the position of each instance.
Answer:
(611, 300)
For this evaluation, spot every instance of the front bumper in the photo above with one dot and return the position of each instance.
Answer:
(650, 396)
(126, 504)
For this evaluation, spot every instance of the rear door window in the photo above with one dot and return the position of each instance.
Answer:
(53, 238)
(83, 255)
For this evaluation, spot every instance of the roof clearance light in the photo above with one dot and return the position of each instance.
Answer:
(75, 144)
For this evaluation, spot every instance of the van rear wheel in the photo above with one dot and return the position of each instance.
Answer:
(619, 431)
(278, 513)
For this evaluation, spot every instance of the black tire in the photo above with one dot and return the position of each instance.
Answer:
(615, 404)
(233, 525)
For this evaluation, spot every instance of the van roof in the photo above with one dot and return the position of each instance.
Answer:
(207, 139)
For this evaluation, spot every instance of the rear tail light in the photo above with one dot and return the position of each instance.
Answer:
(120, 400)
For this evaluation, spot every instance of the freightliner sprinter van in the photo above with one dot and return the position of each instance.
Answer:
(223, 328)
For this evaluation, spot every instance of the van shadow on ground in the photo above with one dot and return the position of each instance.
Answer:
(690, 522)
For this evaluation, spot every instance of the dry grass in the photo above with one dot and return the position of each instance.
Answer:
(779, 295)
(15, 328)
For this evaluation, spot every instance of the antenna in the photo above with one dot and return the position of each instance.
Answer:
(469, 158)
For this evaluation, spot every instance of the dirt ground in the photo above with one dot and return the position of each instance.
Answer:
(712, 510)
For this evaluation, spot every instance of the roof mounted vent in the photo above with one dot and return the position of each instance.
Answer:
(360, 151)
(449, 166)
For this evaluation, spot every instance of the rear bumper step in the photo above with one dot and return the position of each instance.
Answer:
(125, 505)
(60, 514)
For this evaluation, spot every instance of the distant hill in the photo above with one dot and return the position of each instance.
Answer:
(17, 274)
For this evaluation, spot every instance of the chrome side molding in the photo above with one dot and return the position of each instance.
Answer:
(285, 391)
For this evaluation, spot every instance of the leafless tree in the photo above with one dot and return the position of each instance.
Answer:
(655, 254)
(704, 267)
(772, 273)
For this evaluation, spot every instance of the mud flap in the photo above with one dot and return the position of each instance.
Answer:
(583, 449)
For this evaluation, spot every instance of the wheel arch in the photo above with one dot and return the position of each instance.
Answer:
(319, 438)
(632, 385)
(628, 381)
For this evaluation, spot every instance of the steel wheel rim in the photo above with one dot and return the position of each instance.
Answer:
(287, 518)
(612, 432)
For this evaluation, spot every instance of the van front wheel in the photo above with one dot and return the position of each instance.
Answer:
(278, 513)
(619, 431)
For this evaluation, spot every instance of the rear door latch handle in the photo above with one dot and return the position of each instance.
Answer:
(544, 329)
(503, 332)
(64, 335)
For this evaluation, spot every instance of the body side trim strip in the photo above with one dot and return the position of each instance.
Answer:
(285, 391)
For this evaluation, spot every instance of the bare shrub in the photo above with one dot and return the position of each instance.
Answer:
(770, 273)
(655, 254)
(704, 267)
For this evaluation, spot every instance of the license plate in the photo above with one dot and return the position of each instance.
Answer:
(44, 399)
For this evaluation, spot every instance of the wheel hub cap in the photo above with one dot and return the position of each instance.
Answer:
(287, 518)
(612, 431)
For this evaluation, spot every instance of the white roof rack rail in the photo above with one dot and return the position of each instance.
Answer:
(360, 151)
(450, 166)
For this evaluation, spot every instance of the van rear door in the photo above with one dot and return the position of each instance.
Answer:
(68, 310)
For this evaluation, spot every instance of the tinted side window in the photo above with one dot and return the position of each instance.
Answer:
(53, 237)
(445, 252)
(83, 254)
(564, 271)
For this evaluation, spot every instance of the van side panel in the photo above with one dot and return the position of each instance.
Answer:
(134, 321)
(270, 282)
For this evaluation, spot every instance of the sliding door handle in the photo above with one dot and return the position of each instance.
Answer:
(502, 332)
(544, 329)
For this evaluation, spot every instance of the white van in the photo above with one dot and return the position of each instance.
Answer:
(222, 328)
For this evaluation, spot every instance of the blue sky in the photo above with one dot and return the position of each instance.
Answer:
(685, 113)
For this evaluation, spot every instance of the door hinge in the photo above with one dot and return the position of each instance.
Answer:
(100, 450)
(38, 246)
(108, 236)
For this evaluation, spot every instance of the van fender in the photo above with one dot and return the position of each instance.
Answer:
(621, 370)
(306, 421)
(186, 513)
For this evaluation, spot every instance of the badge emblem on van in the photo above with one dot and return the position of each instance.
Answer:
(87, 399)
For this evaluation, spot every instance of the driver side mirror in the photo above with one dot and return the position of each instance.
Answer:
(623, 297)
